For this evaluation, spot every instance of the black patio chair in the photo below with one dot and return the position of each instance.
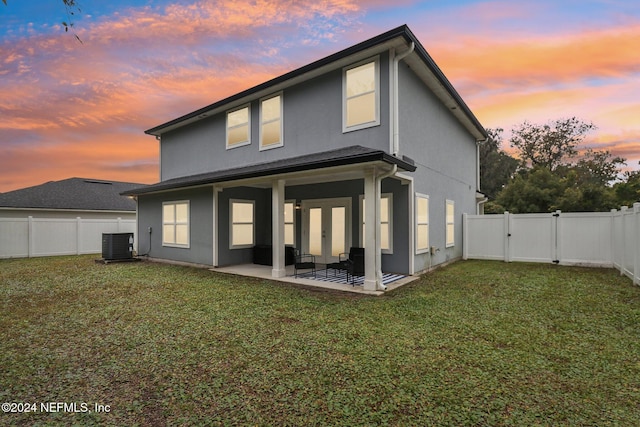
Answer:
(305, 262)
(352, 263)
(355, 264)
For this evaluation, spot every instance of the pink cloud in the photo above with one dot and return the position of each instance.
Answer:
(592, 74)
(67, 107)
(80, 110)
(495, 63)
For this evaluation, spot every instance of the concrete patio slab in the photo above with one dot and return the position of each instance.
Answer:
(264, 272)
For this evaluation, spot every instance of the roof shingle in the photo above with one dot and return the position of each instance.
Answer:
(343, 156)
(72, 193)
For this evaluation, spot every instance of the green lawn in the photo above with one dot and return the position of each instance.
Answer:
(474, 343)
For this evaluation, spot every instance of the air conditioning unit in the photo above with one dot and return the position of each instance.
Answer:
(117, 246)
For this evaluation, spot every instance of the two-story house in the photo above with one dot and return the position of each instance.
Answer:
(369, 147)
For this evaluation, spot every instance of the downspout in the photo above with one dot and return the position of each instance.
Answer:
(478, 142)
(478, 203)
(396, 114)
(380, 286)
(159, 139)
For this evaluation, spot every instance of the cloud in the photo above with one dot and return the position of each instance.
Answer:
(483, 63)
(70, 107)
(96, 157)
(592, 74)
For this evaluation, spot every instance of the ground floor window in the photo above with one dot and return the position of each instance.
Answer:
(289, 223)
(422, 223)
(242, 216)
(175, 224)
(386, 224)
(450, 224)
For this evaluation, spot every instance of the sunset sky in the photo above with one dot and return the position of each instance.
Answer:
(80, 110)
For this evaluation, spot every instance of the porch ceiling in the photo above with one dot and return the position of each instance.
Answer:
(335, 165)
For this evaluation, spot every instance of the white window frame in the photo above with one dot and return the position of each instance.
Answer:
(281, 118)
(248, 124)
(175, 223)
(376, 121)
(292, 222)
(389, 196)
(231, 224)
(420, 250)
(450, 242)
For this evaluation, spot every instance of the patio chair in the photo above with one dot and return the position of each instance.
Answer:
(305, 262)
(353, 264)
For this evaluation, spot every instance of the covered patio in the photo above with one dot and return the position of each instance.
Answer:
(291, 202)
(367, 166)
(265, 272)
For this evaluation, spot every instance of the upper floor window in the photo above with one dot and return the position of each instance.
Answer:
(271, 122)
(238, 127)
(450, 240)
(361, 96)
(175, 224)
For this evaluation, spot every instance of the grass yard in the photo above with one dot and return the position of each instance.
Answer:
(474, 343)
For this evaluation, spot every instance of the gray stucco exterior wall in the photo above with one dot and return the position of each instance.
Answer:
(200, 250)
(445, 156)
(312, 122)
(444, 151)
(262, 198)
(201, 221)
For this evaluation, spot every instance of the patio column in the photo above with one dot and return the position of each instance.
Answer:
(371, 239)
(216, 204)
(277, 218)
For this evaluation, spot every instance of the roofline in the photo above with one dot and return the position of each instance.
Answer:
(207, 179)
(444, 81)
(401, 31)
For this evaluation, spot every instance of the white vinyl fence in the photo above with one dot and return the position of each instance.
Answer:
(35, 237)
(600, 239)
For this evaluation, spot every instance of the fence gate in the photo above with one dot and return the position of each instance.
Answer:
(533, 238)
(565, 238)
(598, 239)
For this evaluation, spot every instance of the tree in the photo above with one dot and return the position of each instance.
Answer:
(628, 191)
(496, 166)
(71, 6)
(598, 167)
(540, 190)
(532, 190)
(554, 174)
(580, 195)
(549, 145)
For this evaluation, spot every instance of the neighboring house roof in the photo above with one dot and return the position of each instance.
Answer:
(341, 157)
(73, 193)
(420, 61)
